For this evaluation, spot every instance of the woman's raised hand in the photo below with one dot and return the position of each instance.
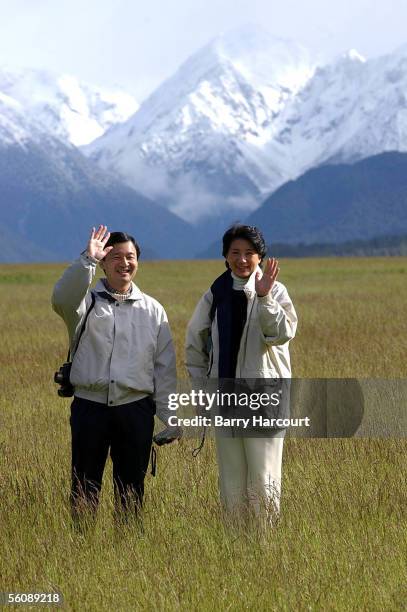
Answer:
(263, 284)
(96, 245)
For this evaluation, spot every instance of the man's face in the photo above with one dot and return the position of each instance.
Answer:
(120, 265)
(242, 258)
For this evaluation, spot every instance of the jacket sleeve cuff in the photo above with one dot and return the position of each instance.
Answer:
(88, 259)
(265, 299)
(164, 414)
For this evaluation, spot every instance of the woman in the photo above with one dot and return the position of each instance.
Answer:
(250, 320)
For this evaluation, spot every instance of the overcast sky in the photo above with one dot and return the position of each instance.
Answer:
(137, 43)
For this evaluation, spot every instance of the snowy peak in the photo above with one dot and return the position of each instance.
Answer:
(354, 55)
(250, 111)
(71, 110)
(252, 56)
(265, 60)
(351, 109)
(240, 63)
(12, 128)
(240, 117)
(15, 127)
(207, 123)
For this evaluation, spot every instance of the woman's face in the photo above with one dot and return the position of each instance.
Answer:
(242, 258)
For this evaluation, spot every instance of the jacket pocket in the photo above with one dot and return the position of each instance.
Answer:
(140, 362)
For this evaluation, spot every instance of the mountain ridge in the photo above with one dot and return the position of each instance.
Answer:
(335, 204)
(209, 143)
(68, 108)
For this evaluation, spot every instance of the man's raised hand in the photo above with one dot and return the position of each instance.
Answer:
(263, 284)
(96, 245)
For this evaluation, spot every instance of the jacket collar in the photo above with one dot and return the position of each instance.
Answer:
(135, 294)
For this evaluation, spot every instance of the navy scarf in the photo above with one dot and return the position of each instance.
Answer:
(230, 307)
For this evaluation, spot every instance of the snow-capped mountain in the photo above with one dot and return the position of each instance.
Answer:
(349, 110)
(312, 126)
(198, 142)
(249, 112)
(13, 128)
(241, 117)
(18, 128)
(51, 194)
(377, 110)
(71, 110)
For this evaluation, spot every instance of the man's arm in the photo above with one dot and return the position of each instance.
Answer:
(69, 295)
(198, 330)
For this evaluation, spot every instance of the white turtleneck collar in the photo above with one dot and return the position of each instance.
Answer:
(239, 284)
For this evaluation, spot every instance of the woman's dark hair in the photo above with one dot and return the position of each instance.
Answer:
(117, 237)
(245, 232)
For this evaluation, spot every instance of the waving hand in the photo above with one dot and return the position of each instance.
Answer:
(263, 284)
(96, 245)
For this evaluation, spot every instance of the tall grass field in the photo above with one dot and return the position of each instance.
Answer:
(341, 542)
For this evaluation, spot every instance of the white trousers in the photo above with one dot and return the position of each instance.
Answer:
(250, 473)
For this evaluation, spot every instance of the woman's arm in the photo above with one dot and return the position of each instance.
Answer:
(165, 371)
(198, 331)
(277, 317)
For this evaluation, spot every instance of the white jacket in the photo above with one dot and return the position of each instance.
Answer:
(271, 323)
(126, 350)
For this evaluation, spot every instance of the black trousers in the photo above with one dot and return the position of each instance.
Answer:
(126, 431)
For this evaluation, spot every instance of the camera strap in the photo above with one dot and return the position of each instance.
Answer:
(83, 325)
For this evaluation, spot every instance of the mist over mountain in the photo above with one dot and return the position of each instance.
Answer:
(51, 195)
(249, 112)
(197, 143)
(358, 208)
(242, 120)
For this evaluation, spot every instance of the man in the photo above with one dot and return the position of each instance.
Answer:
(122, 370)
(250, 319)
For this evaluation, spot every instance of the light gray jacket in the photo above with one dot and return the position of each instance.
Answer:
(126, 350)
(271, 323)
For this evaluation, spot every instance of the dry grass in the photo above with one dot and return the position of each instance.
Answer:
(341, 541)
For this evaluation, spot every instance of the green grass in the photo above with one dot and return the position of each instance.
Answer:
(341, 542)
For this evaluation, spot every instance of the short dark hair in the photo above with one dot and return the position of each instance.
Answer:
(245, 232)
(117, 237)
